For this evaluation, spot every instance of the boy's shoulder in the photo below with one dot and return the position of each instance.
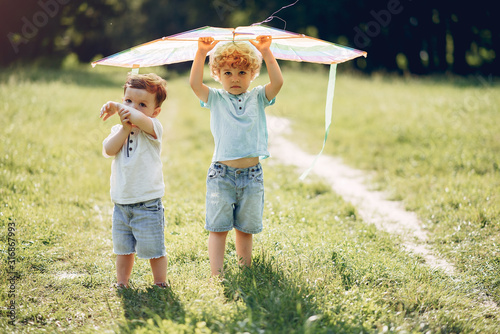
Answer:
(158, 127)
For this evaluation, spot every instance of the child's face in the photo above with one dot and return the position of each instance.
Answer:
(141, 100)
(235, 80)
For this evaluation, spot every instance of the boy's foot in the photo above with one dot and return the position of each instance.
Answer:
(120, 286)
(217, 279)
(162, 285)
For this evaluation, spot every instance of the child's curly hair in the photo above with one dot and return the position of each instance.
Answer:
(241, 54)
(151, 82)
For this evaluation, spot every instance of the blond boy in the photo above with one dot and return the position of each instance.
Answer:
(235, 184)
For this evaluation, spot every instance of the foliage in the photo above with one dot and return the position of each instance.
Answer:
(400, 36)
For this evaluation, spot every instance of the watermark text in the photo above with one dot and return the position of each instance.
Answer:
(12, 274)
(382, 18)
(31, 26)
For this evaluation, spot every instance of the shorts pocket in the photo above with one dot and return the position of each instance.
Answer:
(213, 172)
(154, 205)
(257, 175)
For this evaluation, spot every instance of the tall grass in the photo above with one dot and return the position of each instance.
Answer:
(317, 267)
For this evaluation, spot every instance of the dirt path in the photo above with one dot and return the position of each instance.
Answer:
(350, 183)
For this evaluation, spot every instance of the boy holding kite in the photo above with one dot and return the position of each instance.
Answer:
(235, 185)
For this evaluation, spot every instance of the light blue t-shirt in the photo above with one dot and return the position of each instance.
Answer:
(238, 123)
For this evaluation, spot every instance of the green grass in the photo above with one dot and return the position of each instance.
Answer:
(318, 268)
(433, 144)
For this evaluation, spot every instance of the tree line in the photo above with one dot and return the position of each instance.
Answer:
(404, 36)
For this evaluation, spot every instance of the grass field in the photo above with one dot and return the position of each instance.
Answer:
(318, 268)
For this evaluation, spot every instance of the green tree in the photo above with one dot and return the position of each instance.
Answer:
(429, 36)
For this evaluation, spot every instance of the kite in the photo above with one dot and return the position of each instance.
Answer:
(285, 46)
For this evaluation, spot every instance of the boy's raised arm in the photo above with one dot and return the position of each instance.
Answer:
(276, 78)
(129, 115)
(205, 44)
(108, 109)
(137, 118)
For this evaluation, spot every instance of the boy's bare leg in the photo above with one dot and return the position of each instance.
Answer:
(159, 268)
(244, 248)
(216, 250)
(124, 264)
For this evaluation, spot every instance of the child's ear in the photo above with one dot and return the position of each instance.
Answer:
(156, 112)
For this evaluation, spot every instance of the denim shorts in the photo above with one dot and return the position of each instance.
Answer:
(139, 227)
(235, 198)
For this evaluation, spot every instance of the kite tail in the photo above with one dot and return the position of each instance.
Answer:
(328, 115)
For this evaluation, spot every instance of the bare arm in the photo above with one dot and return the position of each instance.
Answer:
(137, 118)
(130, 118)
(276, 79)
(108, 109)
(205, 44)
(114, 144)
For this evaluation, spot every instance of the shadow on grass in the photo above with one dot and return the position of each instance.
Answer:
(153, 302)
(277, 304)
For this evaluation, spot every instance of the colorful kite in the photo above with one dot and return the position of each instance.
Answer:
(285, 45)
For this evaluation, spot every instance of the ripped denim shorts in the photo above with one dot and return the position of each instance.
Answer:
(235, 198)
(139, 227)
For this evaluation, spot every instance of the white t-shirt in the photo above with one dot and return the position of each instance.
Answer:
(136, 171)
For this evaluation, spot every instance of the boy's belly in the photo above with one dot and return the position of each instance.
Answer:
(241, 163)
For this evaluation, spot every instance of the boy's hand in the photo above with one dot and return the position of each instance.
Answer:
(263, 43)
(206, 44)
(108, 110)
(125, 115)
